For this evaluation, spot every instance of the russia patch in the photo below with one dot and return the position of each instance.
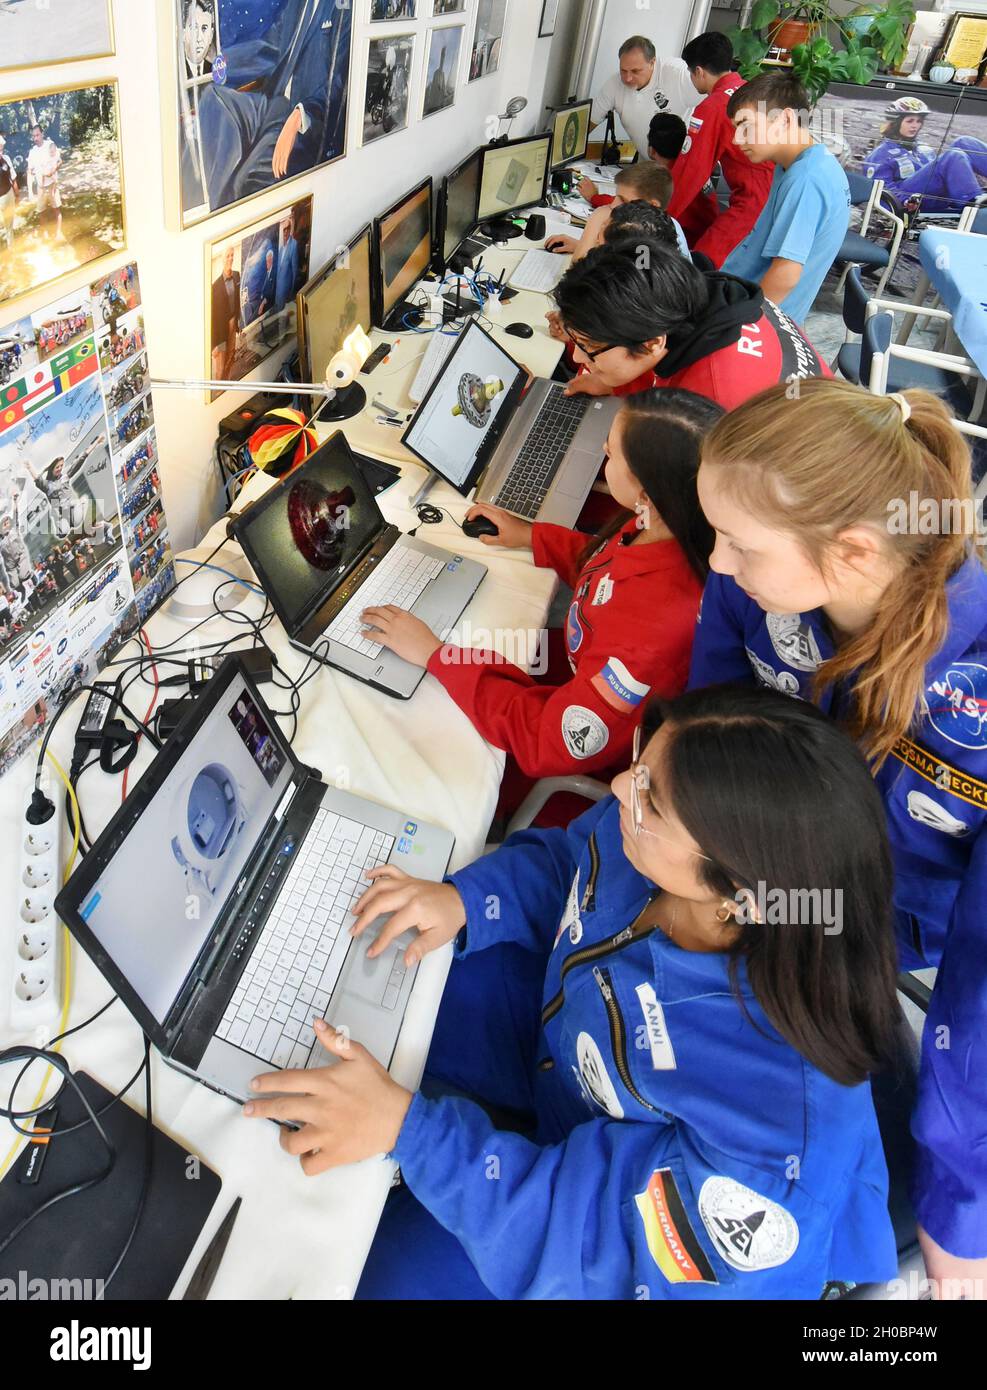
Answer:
(618, 688)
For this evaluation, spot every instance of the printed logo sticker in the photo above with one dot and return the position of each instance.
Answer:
(570, 917)
(923, 809)
(594, 1079)
(794, 641)
(767, 675)
(748, 1230)
(958, 705)
(674, 1245)
(573, 629)
(662, 1053)
(584, 732)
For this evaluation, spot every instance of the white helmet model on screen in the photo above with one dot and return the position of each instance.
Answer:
(210, 814)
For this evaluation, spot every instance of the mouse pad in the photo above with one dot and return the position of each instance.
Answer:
(81, 1237)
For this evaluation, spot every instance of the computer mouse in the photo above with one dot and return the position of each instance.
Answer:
(480, 526)
(520, 330)
(555, 243)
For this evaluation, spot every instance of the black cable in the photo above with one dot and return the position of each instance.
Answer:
(430, 515)
(70, 697)
(85, 839)
(148, 1163)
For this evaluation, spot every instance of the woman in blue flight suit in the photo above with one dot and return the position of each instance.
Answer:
(942, 180)
(679, 1071)
(846, 572)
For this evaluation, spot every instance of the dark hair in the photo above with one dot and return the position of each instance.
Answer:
(661, 436)
(648, 180)
(711, 51)
(640, 219)
(776, 795)
(626, 294)
(639, 41)
(666, 134)
(776, 91)
(37, 127)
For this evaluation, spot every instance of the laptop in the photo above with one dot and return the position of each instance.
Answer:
(534, 452)
(323, 553)
(217, 901)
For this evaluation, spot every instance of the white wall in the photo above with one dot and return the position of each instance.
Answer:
(347, 194)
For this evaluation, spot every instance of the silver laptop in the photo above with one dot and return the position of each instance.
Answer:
(323, 553)
(217, 902)
(534, 452)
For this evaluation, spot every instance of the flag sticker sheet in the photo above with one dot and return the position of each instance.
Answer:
(85, 552)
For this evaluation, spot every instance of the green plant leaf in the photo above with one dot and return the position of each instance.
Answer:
(764, 12)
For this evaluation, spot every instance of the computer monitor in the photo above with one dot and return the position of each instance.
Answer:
(459, 201)
(332, 305)
(402, 253)
(570, 132)
(513, 176)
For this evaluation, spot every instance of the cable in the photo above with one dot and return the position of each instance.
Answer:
(232, 578)
(148, 1163)
(70, 697)
(150, 709)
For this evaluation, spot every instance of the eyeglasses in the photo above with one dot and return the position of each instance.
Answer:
(640, 787)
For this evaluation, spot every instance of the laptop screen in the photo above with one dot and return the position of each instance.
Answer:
(305, 534)
(158, 898)
(452, 423)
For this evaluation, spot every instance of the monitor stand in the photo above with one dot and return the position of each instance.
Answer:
(501, 230)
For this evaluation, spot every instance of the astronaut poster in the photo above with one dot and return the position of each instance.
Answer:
(928, 145)
(260, 95)
(84, 547)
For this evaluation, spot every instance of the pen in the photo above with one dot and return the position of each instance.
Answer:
(383, 420)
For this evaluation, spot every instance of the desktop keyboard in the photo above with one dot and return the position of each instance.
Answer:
(540, 271)
(533, 471)
(439, 347)
(400, 578)
(292, 972)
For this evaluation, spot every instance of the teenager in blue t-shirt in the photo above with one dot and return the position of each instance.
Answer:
(801, 229)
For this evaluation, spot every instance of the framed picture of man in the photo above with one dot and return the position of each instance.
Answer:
(254, 93)
(252, 278)
(36, 35)
(441, 67)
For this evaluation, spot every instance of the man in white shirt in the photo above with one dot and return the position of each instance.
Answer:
(43, 164)
(644, 85)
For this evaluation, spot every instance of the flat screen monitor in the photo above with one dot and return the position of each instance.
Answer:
(460, 200)
(514, 176)
(332, 304)
(402, 249)
(570, 132)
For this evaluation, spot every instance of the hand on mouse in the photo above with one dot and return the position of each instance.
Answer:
(561, 245)
(513, 533)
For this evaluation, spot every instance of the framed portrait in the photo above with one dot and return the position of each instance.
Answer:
(58, 31)
(441, 66)
(252, 278)
(549, 16)
(61, 184)
(488, 35)
(254, 93)
(387, 95)
(441, 8)
(387, 11)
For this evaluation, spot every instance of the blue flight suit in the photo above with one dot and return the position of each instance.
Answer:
(661, 1143)
(946, 180)
(935, 792)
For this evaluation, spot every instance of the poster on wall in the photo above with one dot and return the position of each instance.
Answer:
(382, 10)
(260, 92)
(54, 31)
(488, 34)
(441, 67)
(85, 552)
(385, 104)
(253, 277)
(61, 184)
(444, 7)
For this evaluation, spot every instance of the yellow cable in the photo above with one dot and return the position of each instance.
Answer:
(67, 973)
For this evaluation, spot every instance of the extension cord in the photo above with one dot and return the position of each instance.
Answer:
(36, 993)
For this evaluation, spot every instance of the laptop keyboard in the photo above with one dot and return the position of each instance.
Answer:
(439, 347)
(533, 471)
(291, 974)
(401, 578)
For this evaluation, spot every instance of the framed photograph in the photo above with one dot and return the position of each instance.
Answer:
(441, 66)
(549, 15)
(254, 93)
(56, 31)
(488, 34)
(386, 11)
(441, 8)
(252, 278)
(386, 98)
(61, 184)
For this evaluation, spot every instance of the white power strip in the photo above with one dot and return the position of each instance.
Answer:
(36, 995)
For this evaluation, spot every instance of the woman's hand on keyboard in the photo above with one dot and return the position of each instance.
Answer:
(401, 633)
(434, 910)
(512, 532)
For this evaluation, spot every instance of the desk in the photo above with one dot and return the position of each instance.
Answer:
(298, 1237)
(955, 263)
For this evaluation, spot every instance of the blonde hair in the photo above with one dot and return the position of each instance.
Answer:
(835, 457)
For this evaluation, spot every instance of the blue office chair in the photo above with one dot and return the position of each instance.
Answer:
(858, 249)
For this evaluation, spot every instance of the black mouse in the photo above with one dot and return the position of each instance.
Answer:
(554, 243)
(480, 526)
(520, 330)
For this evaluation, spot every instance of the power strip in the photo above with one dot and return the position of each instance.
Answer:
(36, 995)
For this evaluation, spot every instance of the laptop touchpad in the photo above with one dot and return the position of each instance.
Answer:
(367, 978)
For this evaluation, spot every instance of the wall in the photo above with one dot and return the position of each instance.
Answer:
(664, 22)
(347, 194)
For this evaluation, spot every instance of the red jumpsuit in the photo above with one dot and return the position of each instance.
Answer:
(710, 141)
(628, 636)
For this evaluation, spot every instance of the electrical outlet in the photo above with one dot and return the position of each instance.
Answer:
(35, 1000)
